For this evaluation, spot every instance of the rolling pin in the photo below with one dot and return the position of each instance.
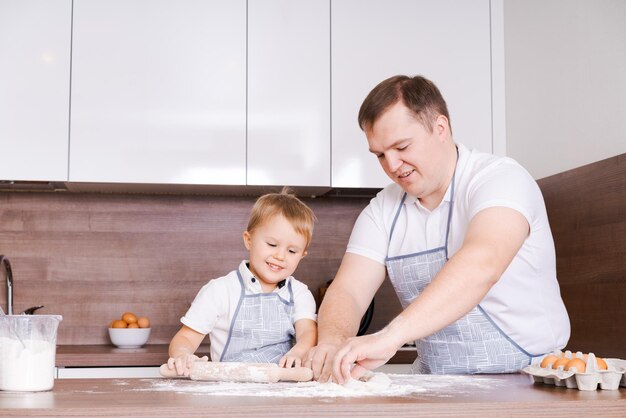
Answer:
(212, 371)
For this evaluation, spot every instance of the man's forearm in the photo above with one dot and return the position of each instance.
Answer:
(339, 317)
(341, 311)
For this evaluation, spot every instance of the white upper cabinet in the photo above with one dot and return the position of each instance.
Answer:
(229, 92)
(288, 92)
(159, 91)
(447, 41)
(34, 89)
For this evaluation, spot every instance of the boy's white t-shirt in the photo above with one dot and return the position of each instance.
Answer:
(214, 306)
(526, 302)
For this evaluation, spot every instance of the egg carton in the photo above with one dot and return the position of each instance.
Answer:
(609, 379)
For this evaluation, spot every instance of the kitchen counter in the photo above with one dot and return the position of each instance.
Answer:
(510, 395)
(150, 355)
(111, 356)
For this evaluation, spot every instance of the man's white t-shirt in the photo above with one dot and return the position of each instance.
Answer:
(213, 308)
(526, 302)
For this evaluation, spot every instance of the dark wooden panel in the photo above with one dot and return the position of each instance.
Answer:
(90, 257)
(587, 211)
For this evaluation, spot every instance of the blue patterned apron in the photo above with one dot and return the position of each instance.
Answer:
(261, 330)
(474, 343)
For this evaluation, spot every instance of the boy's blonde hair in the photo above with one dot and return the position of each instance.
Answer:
(299, 215)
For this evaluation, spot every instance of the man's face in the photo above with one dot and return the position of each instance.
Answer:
(412, 157)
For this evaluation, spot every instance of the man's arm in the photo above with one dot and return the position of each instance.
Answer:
(493, 238)
(345, 302)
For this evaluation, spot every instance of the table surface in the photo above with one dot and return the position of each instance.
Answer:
(484, 395)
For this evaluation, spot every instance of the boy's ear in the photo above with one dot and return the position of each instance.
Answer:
(304, 254)
(246, 239)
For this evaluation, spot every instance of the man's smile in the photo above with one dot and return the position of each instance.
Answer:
(405, 174)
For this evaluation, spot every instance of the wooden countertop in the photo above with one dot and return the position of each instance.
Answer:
(148, 355)
(510, 395)
(109, 355)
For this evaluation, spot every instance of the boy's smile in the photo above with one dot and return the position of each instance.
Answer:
(275, 251)
(274, 267)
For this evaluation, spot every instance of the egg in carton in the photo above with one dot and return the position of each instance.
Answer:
(578, 370)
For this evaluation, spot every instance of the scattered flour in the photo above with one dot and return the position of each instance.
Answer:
(378, 384)
(28, 367)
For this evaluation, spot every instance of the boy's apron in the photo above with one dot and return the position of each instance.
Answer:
(474, 343)
(261, 330)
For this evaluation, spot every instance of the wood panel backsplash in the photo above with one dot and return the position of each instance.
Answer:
(587, 213)
(91, 257)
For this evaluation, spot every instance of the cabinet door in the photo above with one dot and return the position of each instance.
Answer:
(34, 89)
(158, 91)
(289, 92)
(447, 41)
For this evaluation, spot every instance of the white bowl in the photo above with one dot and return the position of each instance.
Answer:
(129, 337)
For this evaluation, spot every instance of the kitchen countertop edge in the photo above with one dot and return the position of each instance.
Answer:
(150, 355)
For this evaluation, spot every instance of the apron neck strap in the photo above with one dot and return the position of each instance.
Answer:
(451, 200)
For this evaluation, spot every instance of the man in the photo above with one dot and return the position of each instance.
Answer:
(465, 240)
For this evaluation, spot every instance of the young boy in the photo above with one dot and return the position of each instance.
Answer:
(252, 314)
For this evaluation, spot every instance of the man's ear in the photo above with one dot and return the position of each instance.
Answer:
(247, 238)
(441, 125)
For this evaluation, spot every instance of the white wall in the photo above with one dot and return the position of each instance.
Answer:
(565, 71)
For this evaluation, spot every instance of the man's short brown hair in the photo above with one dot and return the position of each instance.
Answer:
(417, 93)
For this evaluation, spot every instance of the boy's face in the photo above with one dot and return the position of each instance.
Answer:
(275, 251)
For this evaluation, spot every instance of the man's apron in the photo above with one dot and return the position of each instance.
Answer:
(261, 330)
(474, 343)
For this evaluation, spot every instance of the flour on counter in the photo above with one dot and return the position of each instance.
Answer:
(379, 384)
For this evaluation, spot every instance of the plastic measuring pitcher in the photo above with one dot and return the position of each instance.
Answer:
(28, 352)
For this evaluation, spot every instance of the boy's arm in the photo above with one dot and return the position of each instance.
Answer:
(182, 349)
(306, 338)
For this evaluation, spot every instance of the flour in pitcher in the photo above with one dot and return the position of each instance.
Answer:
(28, 366)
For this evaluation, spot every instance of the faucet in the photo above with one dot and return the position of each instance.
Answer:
(5, 261)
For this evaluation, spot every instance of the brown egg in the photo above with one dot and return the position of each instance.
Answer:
(601, 364)
(133, 325)
(143, 322)
(118, 323)
(577, 364)
(548, 360)
(560, 362)
(129, 317)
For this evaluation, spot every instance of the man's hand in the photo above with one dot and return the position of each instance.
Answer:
(320, 360)
(360, 354)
